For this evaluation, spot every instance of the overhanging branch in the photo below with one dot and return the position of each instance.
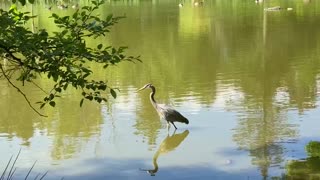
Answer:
(18, 89)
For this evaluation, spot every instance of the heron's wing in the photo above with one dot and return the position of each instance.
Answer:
(172, 115)
(161, 110)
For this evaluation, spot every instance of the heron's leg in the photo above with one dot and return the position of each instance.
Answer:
(174, 132)
(173, 125)
(168, 125)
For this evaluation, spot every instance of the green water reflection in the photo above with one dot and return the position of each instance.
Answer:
(225, 65)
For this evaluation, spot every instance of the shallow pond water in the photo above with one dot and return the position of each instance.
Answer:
(246, 78)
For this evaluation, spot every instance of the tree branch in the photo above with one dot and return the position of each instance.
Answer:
(24, 95)
(39, 87)
(18, 60)
(11, 55)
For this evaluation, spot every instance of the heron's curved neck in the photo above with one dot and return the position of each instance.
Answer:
(153, 101)
(154, 161)
(155, 165)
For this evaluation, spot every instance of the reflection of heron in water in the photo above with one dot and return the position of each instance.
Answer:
(165, 112)
(168, 144)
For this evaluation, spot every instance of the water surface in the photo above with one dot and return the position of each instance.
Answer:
(247, 79)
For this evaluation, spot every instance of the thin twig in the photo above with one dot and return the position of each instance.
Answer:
(39, 87)
(9, 73)
(16, 59)
(19, 61)
(24, 95)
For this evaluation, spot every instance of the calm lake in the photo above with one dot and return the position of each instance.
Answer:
(247, 79)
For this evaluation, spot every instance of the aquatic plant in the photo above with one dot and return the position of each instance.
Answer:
(10, 169)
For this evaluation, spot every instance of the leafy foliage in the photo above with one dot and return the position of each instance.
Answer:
(23, 2)
(313, 149)
(62, 56)
(306, 168)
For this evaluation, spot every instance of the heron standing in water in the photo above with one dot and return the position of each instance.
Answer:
(165, 112)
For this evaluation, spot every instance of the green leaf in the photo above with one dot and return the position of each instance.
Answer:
(51, 96)
(81, 102)
(58, 89)
(102, 87)
(55, 16)
(31, 1)
(65, 86)
(52, 103)
(13, 7)
(99, 46)
(109, 17)
(113, 93)
(75, 15)
(86, 75)
(89, 97)
(42, 105)
(23, 2)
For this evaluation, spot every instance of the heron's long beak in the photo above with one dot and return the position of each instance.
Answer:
(142, 88)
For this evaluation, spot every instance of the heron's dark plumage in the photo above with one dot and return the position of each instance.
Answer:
(172, 115)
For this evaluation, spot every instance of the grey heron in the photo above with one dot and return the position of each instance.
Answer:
(165, 112)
